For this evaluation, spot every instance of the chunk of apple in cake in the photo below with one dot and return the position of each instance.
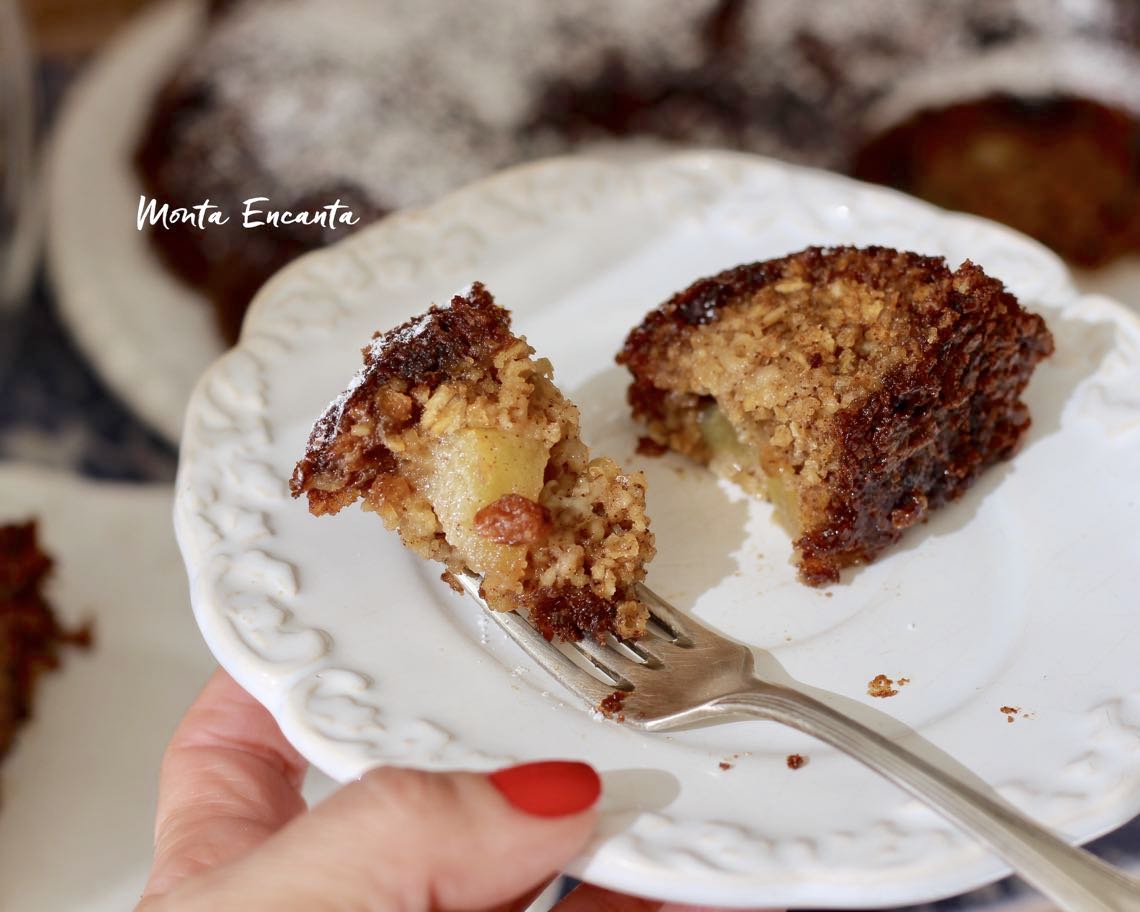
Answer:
(458, 438)
(857, 389)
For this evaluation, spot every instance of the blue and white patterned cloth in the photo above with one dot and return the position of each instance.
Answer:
(55, 412)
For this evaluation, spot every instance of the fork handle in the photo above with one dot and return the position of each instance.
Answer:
(1071, 877)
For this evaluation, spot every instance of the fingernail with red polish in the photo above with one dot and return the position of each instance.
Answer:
(551, 788)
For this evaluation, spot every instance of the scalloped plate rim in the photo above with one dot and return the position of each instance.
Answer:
(271, 688)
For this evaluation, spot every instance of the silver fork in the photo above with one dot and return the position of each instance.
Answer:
(683, 675)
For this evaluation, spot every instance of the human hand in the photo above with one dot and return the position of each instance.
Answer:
(233, 830)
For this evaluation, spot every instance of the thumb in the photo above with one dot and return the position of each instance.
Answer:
(404, 839)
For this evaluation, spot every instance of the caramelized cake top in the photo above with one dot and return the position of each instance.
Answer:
(447, 341)
(837, 311)
(798, 340)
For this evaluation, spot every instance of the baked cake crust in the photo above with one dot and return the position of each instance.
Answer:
(457, 437)
(856, 388)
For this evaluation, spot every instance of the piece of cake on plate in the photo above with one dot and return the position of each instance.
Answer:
(857, 389)
(457, 437)
(30, 635)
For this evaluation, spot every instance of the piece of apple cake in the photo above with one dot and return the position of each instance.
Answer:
(857, 389)
(459, 439)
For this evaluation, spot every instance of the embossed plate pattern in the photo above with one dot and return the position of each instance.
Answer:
(1020, 595)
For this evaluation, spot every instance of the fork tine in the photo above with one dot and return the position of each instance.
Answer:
(666, 618)
(634, 651)
(544, 653)
(557, 662)
(602, 659)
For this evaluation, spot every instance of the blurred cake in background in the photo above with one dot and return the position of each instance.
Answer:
(1027, 111)
(30, 635)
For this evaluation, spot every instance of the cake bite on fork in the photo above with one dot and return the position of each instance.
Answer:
(455, 434)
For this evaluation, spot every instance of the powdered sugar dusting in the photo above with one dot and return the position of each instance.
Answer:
(854, 70)
(328, 425)
(388, 105)
(404, 100)
(1073, 67)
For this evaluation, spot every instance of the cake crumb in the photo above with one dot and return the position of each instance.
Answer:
(902, 682)
(611, 706)
(796, 761)
(725, 765)
(881, 686)
(647, 446)
(1011, 712)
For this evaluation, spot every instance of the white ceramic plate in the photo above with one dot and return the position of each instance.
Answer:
(147, 334)
(77, 791)
(77, 804)
(1120, 280)
(1021, 594)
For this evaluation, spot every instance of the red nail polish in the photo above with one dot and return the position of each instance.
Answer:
(551, 788)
